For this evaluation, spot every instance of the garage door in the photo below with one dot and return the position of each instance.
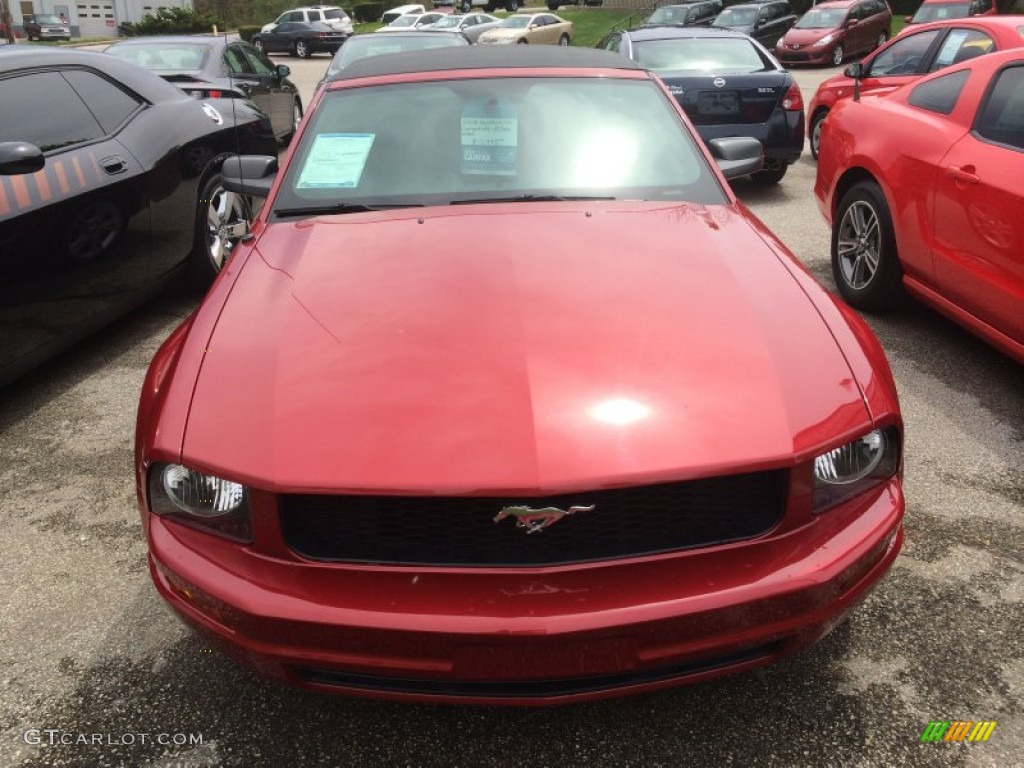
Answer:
(96, 19)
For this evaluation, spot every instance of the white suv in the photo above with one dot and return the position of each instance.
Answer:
(331, 15)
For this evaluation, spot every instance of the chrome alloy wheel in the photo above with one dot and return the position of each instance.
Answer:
(227, 222)
(858, 244)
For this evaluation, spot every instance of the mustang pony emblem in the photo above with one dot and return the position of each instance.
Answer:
(534, 520)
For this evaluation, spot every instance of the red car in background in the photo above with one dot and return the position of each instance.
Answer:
(926, 48)
(922, 187)
(831, 32)
(628, 443)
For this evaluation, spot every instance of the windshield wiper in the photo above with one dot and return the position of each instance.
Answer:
(328, 210)
(527, 199)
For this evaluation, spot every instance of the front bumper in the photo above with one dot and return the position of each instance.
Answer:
(808, 55)
(529, 636)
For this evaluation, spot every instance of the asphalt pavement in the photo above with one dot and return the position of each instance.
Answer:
(96, 671)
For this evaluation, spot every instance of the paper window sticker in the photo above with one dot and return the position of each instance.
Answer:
(336, 161)
(489, 138)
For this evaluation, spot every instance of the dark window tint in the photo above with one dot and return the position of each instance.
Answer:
(261, 64)
(1002, 117)
(906, 56)
(108, 103)
(58, 120)
(940, 95)
(237, 63)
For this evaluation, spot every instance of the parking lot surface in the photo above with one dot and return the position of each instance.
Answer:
(95, 671)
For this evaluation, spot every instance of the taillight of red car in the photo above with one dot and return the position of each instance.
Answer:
(793, 101)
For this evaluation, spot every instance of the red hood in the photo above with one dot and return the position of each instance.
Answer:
(514, 348)
(804, 37)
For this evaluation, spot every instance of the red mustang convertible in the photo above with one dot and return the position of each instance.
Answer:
(538, 414)
(922, 187)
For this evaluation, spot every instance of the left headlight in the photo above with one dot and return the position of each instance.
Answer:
(856, 466)
(824, 41)
(200, 500)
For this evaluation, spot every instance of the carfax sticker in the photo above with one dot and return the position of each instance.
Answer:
(490, 138)
(336, 160)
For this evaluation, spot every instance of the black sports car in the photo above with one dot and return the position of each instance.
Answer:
(109, 184)
(728, 85)
(300, 38)
(210, 66)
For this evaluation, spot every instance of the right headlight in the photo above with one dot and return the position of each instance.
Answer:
(200, 500)
(852, 468)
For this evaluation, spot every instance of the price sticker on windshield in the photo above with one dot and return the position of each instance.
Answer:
(490, 138)
(336, 160)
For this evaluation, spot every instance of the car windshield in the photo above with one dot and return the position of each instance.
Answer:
(701, 54)
(516, 22)
(494, 139)
(163, 56)
(405, 21)
(822, 18)
(668, 15)
(448, 22)
(46, 18)
(364, 46)
(736, 17)
(940, 11)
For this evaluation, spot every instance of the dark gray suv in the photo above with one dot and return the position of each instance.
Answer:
(764, 21)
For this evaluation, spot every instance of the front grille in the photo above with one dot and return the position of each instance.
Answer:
(626, 522)
(515, 689)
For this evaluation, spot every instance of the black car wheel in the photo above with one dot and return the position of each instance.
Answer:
(301, 49)
(93, 229)
(816, 123)
(774, 171)
(563, 40)
(466, 6)
(881, 40)
(522, 42)
(222, 220)
(296, 119)
(257, 43)
(511, 5)
(552, 6)
(837, 56)
(865, 263)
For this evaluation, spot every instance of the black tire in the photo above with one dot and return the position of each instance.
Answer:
(296, 119)
(257, 43)
(563, 40)
(301, 49)
(882, 39)
(865, 263)
(466, 7)
(489, 8)
(511, 5)
(838, 54)
(815, 133)
(522, 42)
(552, 6)
(222, 219)
(772, 174)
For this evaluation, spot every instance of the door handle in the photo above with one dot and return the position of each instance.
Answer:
(963, 175)
(113, 165)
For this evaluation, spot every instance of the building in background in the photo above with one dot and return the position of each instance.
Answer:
(91, 18)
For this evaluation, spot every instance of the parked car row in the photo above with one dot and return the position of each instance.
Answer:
(521, 28)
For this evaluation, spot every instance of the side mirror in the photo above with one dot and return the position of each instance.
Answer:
(249, 174)
(907, 19)
(855, 70)
(737, 155)
(853, 22)
(20, 157)
(534, 26)
(283, 70)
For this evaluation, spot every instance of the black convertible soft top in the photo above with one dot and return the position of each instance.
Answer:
(485, 57)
